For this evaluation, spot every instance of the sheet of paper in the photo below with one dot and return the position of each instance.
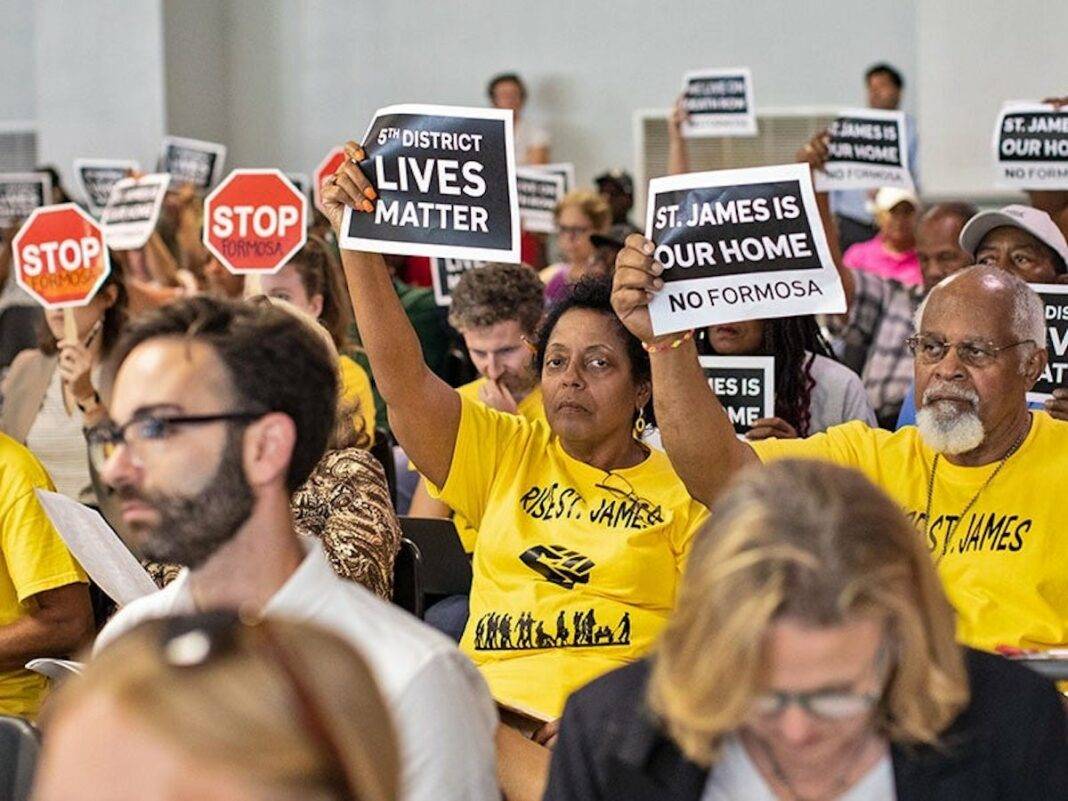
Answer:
(56, 669)
(97, 548)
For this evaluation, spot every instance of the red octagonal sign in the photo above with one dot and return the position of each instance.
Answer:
(60, 258)
(255, 221)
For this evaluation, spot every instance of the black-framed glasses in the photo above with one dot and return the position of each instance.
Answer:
(827, 704)
(620, 486)
(930, 349)
(198, 640)
(104, 438)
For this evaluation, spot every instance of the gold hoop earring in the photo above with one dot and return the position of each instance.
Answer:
(640, 424)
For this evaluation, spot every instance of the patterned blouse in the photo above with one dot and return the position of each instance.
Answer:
(345, 504)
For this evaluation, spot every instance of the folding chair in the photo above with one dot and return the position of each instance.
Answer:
(407, 579)
(19, 748)
(383, 451)
(446, 568)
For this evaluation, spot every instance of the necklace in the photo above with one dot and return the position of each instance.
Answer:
(841, 781)
(951, 528)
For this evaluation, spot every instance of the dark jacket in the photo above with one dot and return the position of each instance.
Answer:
(1010, 744)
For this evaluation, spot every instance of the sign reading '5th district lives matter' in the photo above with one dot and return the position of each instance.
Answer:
(868, 150)
(1031, 146)
(739, 245)
(445, 178)
(1055, 376)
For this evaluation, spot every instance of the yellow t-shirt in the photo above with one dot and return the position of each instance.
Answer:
(575, 570)
(356, 385)
(34, 560)
(1006, 568)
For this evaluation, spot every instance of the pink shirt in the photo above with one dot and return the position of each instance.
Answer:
(873, 257)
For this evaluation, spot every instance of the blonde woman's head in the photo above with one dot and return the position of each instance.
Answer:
(809, 617)
(208, 707)
(579, 214)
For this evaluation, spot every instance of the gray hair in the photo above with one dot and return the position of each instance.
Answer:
(1028, 310)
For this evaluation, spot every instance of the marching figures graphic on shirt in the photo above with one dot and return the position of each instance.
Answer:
(502, 632)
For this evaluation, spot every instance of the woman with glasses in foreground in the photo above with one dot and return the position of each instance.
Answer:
(208, 707)
(812, 656)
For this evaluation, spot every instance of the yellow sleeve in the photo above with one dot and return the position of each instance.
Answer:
(36, 557)
(844, 444)
(486, 440)
(697, 516)
(356, 387)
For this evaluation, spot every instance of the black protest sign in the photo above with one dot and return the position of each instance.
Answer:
(539, 192)
(1055, 376)
(445, 274)
(745, 385)
(739, 245)
(132, 211)
(445, 178)
(192, 161)
(97, 177)
(719, 102)
(21, 193)
(868, 150)
(565, 170)
(1031, 146)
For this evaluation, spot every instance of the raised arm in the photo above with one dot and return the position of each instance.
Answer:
(678, 153)
(424, 411)
(815, 154)
(697, 435)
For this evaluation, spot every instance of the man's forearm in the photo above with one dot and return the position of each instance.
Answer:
(697, 435)
(36, 636)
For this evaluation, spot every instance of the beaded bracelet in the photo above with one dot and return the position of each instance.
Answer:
(672, 345)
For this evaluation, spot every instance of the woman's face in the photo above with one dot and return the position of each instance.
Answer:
(286, 285)
(737, 339)
(898, 226)
(587, 383)
(841, 659)
(574, 236)
(85, 317)
(125, 760)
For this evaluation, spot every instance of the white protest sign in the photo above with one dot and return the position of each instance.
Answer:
(96, 177)
(868, 150)
(445, 178)
(539, 192)
(21, 193)
(739, 245)
(97, 548)
(1031, 146)
(445, 274)
(1055, 376)
(192, 161)
(719, 102)
(566, 170)
(132, 211)
(745, 385)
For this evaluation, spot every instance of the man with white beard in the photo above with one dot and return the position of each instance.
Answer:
(980, 474)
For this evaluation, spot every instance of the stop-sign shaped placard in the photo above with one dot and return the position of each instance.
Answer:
(255, 221)
(326, 168)
(60, 256)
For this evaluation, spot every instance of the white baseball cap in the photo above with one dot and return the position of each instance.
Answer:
(1035, 222)
(889, 196)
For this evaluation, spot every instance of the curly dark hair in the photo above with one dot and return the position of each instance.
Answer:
(495, 293)
(275, 364)
(794, 342)
(115, 315)
(594, 292)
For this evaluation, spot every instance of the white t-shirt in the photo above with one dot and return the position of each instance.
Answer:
(56, 439)
(735, 778)
(526, 135)
(837, 397)
(445, 719)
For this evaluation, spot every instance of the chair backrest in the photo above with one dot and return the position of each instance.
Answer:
(383, 451)
(407, 579)
(19, 747)
(446, 569)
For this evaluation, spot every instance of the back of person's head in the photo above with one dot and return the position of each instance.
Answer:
(817, 544)
(274, 363)
(321, 275)
(496, 293)
(286, 708)
(590, 203)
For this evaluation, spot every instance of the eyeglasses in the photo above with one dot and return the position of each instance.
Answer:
(194, 641)
(620, 487)
(104, 438)
(974, 353)
(827, 704)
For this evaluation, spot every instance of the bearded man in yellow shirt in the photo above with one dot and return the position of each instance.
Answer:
(980, 474)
